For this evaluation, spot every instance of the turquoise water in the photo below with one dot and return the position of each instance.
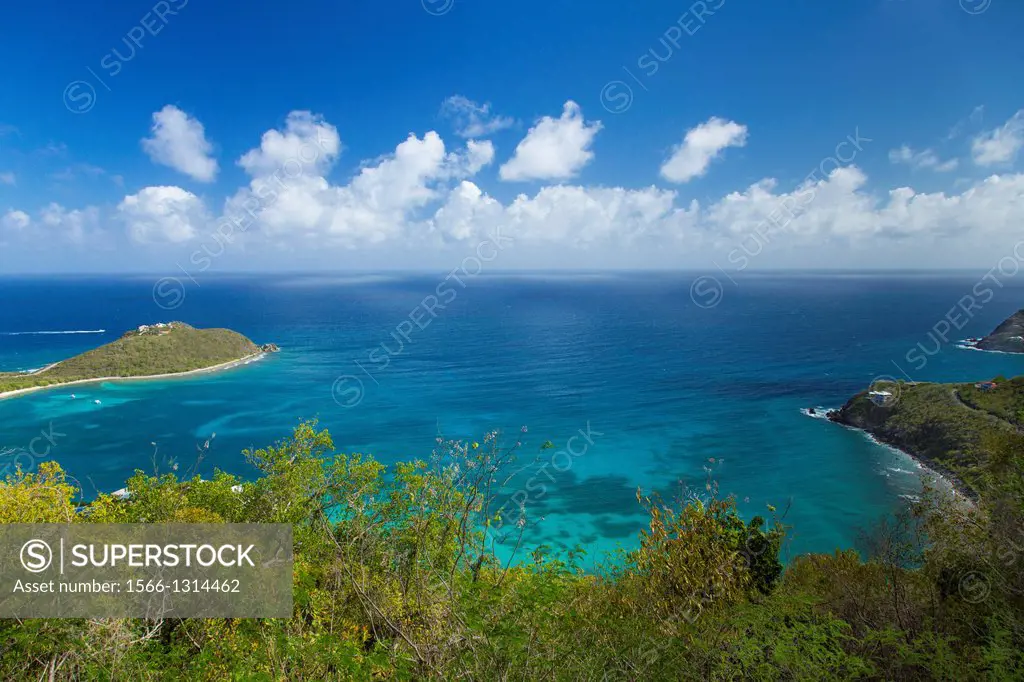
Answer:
(664, 384)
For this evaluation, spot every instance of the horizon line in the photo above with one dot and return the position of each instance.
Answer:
(511, 271)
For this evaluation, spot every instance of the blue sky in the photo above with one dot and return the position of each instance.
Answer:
(586, 135)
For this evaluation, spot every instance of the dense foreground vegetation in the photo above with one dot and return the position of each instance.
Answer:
(396, 578)
(178, 348)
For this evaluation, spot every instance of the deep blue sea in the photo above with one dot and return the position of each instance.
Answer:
(664, 384)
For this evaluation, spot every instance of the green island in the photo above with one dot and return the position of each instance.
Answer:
(396, 577)
(156, 350)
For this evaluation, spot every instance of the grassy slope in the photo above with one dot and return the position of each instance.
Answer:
(1005, 402)
(180, 350)
(936, 423)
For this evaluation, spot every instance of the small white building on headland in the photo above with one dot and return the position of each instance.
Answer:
(880, 398)
(158, 328)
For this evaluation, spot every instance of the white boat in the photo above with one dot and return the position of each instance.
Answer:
(97, 402)
(72, 396)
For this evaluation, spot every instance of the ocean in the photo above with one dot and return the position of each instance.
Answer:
(640, 381)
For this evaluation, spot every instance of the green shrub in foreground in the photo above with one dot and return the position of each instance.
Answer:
(396, 578)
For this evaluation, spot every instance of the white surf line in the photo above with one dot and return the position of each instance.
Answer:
(966, 346)
(922, 464)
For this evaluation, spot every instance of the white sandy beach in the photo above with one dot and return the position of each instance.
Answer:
(203, 370)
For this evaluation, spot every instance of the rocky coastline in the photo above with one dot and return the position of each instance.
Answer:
(926, 442)
(1008, 337)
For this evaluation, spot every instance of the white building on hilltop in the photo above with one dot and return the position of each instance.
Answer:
(880, 397)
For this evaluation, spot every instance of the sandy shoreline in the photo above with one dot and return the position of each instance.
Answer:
(149, 377)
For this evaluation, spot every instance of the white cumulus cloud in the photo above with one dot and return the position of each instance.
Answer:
(75, 225)
(307, 144)
(15, 220)
(839, 207)
(1000, 146)
(422, 194)
(562, 214)
(837, 210)
(554, 148)
(177, 140)
(423, 197)
(163, 214)
(702, 145)
(379, 203)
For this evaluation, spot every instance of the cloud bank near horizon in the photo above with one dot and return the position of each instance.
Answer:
(427, 195)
